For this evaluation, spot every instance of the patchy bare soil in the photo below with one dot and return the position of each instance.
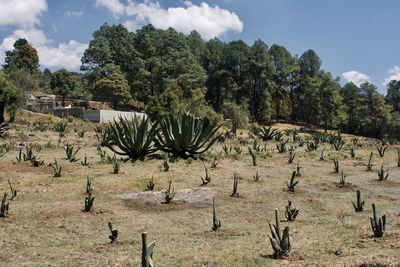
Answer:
(46, 225)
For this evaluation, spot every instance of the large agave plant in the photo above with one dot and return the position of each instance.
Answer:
(185, 135)
(133, 138)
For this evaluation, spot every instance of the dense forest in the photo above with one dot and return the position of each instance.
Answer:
(164, 71)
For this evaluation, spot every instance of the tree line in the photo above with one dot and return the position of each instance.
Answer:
(164, 71)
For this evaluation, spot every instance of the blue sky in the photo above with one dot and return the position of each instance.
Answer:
(356, 39)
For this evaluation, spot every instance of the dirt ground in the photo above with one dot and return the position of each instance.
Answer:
(46, 225)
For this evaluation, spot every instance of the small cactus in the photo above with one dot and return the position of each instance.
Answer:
(335, 166)
(322, 156)
(359, 205)
(85, 161)
(150, 184)
(216, 221)
(169, 194)
(256, 177)
(116, 165)
(381, 174)
(114, 233)
(280, 243)
(253, 156)
(235, 192)
(343, 177)
(291, 156)
(207, 178)
(88, 198)
(4, 206)
(291, 213)
(292, 183)
(147, 252)
(56, 169)
(13, 191)
(377, 225)
(381, 150)
(369, 165)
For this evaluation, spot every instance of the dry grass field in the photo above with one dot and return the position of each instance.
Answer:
(46, 225)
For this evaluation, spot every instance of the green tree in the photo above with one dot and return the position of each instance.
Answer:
(45, 79)
(110, 44)
(62, 84)
(331, 102)
(375, 113)
(23, 56)
(310, 63)
(282, 77)
(112, 88)
(351, 94)
(24, 80)
(393, 95)
(220, 85)
(259, 69)
(9, 94)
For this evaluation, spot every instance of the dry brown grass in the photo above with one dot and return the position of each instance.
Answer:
(47, 227)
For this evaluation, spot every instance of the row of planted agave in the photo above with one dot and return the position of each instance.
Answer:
(135, 139)
(186, 136)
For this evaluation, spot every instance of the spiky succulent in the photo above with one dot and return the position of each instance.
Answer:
(185, 135)
(280, 243)
(378, 225)
(132, 138)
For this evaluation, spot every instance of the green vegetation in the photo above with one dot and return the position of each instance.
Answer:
(216, 221)
(61, 128)
(378, 225)
(382, 175)
(56, 169)
(88, 195)
(185, 135)
(114, 233)
(169, 194)
(147, 251)
(133, 138)
(235, 191)
(359, 204)
(71, 152)
(280, 243)
(207, 178)
(292, 183)
(291, 213)
(4, 207)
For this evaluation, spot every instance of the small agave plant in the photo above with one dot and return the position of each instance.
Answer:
(280, 242)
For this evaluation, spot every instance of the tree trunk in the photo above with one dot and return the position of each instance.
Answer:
(2, 106)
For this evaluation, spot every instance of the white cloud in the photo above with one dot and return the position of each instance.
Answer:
(71, 14)
(394, 74)
(209, 21)
(115, 6)
(132, 25)
(24, 13)
(356, 77)
(66, 55)
(34, 36)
